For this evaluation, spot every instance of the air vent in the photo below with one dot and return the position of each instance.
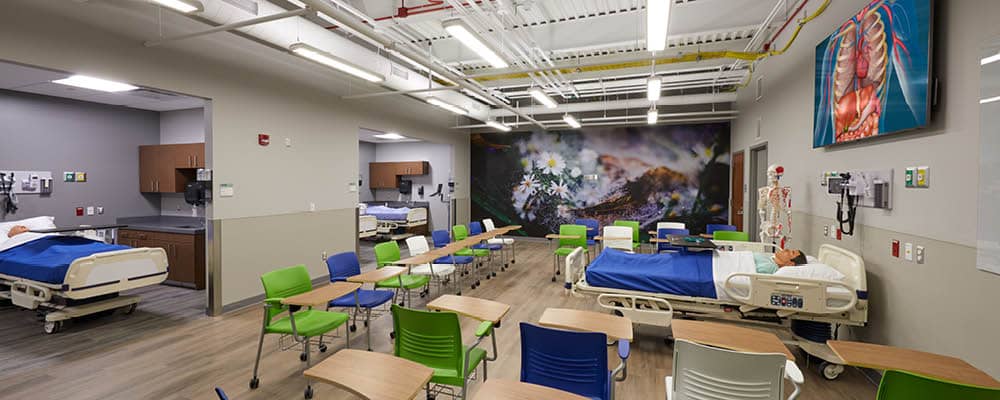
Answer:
(400, 72)
(249, 6)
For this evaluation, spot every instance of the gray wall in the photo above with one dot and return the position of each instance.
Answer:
(53, 134)
(181, 126)
(366, 155)
(945, 305)
(439, 156)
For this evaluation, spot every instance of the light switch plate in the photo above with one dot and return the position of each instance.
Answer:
(908, 251)
(90, 210)
(920, 254)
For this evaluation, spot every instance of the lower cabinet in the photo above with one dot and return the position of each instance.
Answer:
(185, 254)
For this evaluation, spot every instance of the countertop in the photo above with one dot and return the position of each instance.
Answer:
(165, 223)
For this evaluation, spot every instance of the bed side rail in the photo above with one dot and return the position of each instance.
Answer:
(417, 215)
(28, 295)
(640, 309)
(728, 245)
(576, 265)
(790, 294)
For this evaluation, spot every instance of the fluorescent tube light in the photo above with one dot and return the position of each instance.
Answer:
(989, 100)
(447, 106)
(498, 125)
(184, 6)
(89, 82)
(332, 61)
(461, 30)
(391, 136)
(657, 18)
(652, 115)
(572, 122)
(543, 98)
(654, 86)
(991, 59)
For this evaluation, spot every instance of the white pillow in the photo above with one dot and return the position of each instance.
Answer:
(811, 260)
(817, 271)
(36, 223)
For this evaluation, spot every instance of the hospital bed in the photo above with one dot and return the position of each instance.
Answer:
(66, 277)
(390, 219)
(805, 307)
(367, 226)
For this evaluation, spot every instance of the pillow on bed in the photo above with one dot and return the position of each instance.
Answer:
(35, 223)
(817, 271)
(811, 260)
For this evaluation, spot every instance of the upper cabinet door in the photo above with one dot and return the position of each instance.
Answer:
(187, 155)
(149, 166)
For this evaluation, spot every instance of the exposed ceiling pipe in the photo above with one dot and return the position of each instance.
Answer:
(707, 98)
(229, 27)
(703, 114)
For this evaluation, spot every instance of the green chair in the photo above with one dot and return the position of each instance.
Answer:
(387, 253)
(900, 385)
(636, 244)
(302, 325)
(567, 245)
(434, 339)
(460, 232)
(732, 236)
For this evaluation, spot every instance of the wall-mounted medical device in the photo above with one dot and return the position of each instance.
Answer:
(27, 182)
(853, 189)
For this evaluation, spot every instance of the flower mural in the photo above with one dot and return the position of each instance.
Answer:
(544, 179)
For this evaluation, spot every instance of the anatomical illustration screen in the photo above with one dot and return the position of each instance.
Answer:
(872, 73)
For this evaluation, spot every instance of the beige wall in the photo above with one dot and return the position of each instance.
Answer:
(944, 305)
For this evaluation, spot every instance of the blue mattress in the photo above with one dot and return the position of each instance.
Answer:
(47, 259)
(387, 213)
(671, 273)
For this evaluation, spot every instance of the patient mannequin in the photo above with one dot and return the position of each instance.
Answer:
(768, 263)
(17, 230)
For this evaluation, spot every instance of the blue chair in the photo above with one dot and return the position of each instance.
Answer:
(662, 233)
(576, 362)
(221, 393)
(442, 238)
(476, 228)
(593, 228)
(343, 266)
(711, 228)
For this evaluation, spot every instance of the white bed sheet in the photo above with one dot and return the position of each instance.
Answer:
(726, 263)
(20, 239)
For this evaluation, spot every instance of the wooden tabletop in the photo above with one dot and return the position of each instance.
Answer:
(321, 295)
(599, 238)
(472, 307)
(378, 275)
(706, 235)
(502, 389)
(659, 240)
(375, 376)
(558, 236)
(887, 357)
(589, 321)
(729, 336)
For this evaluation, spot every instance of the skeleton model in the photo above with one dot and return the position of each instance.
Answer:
(774, 205)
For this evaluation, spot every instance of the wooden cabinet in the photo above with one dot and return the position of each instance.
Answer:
(385, 175)
(185, 254)
(168, 168)
(412, 168)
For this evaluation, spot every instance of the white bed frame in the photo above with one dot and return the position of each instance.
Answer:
(89, 277)
(416, 217)
(753, 298)
(367, 226)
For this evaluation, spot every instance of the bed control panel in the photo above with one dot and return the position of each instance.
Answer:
(786, 300)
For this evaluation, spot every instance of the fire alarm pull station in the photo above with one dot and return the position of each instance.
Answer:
(263, 139)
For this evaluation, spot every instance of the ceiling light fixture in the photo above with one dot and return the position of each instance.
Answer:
(657, 19)
(447, 106)
(89, 82)
(390, 136)
(572, 122)
(498, 125)
(543, 98)
(989, 100)
(991, 59)
(652, 116)
(654, 85)
(461, 30)
(184, 6)
(332, 61)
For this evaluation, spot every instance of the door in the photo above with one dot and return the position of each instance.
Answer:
(758, 178)
(736, 192)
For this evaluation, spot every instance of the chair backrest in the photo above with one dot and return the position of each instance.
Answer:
(899, 385)
(662, 233)
(593, 227)
(617, 232)
(285, 282)
(702, 372)
(417, 245)
(441, 238)
(343, 265)
(579, 231)
(670, 225)
(433, 339)
(734, 236)
(386, 253)
(488, 224)
(475, 228)
(635, 228)
(460, 232)
(221, 393)
(711, 228)
(576, 362)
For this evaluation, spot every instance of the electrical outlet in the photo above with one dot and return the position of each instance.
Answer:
(312, 206)
(288, 142)
(908, 251)
(826, 231)
(920, 254)
(100, 210)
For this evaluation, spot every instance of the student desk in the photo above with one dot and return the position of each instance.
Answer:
(613, 326)
(472, 307)
(502, 389)
(730, 337)
(378, 275)
(887, 357)
(322, 295)
(375, 376)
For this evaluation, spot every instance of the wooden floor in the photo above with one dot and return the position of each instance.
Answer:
(169, 350)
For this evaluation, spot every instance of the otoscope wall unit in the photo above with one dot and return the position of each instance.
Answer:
(870, 188)
(26, 182)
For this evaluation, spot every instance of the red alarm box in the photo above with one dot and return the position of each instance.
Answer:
(263, 139)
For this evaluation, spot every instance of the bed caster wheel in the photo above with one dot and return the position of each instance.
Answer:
(354, 328)
(302, 357)
(52, 326)
(830, 371)
(322, 348)
(254, 383)
(309, 392)
(619, 313)
(130, 309)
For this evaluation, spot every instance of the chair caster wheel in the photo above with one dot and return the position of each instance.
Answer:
(494, 274)
(254, 383)
(558, 272)
(354, 328)
(309, 392)
(422, 294)
(458, 294)
(302, 357)
(830, 371)
(478, 283)
(322, 348)
(392, 335)
(553, 279)
(366, 324)
(488, 276)
(402, 304)
(513, 261)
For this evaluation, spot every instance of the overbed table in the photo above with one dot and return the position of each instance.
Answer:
(374, 376)
(502, 389)
(728, 336)
(615, 327)
(877, 356)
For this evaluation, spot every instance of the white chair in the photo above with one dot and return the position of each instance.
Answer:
(670, 225)
(506, 242)
(704, 372)
(439, 272)
(617, 237)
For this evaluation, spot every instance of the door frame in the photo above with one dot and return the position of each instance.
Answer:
(734, 190)
(750, 222)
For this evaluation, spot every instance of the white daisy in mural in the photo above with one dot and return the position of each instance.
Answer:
(552, 163)
(575, 172)
(563, 211)
(529, 183)
(561, 189)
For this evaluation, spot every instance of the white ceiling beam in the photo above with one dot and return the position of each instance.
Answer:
(708, 98)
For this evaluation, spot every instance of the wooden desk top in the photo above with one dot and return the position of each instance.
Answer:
(508, 228)
(321, 295)
(472, 307)
(377, 275)
(659, 240)
(730, 337)
(589, 321)
(599, 238)
(502, 389)
(706, 235)
(558, 236)
(886, 357)
(375, 376)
